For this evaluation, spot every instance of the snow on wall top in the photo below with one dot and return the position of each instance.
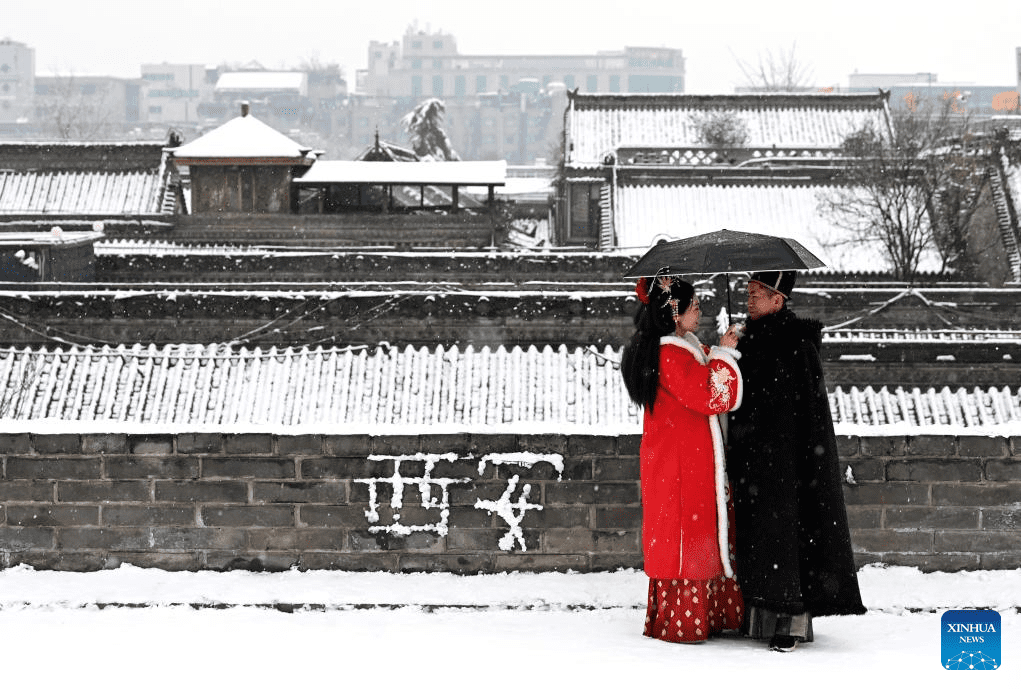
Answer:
(179, 388)
(597, 124)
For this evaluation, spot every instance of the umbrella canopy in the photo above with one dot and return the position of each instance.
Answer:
(724, 251)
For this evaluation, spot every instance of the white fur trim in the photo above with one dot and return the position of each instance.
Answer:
(722, 523)
(689, 342)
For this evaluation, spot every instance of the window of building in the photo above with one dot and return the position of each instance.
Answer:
(416, 85)
(504, 81)
(438, 45)
(655, 83)
(417, 45)
(546, 79)
(614, 83)
(437, 85)
(88, 89)
(569, 81)
(460, 85)
(155, 108)
(416, 63)
(592, 82)
(5, 68)
(437, 63)
(480, 83)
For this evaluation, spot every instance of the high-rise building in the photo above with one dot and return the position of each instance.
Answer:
(497, 106)
(17, 82)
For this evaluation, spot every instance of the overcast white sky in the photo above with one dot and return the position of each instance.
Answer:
(972, 41)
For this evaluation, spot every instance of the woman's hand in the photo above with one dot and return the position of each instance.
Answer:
(733, 334)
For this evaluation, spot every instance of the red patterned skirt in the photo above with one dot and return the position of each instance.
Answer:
(692, 610)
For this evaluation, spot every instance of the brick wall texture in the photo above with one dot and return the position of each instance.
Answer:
(454, 503)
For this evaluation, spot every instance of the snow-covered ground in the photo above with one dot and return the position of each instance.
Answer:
(138, 627)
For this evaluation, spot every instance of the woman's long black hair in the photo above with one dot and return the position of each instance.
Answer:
(654, 319)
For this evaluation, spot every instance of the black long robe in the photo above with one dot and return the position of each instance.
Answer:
(793, 544)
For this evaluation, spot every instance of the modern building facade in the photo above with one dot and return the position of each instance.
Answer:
(17, 81)
(497, 106)
(175, 93)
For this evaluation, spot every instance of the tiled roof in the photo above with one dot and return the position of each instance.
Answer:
(84, 192)
(597, 124)
(642, 214)
(922, 410)
(107, 156)
(395, 391)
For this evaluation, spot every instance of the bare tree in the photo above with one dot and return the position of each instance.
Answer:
(77, 109)
(913, 189)
(780, 71)
(424, 126)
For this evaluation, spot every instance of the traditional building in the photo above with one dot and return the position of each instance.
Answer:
(125, 187)
(252, 184)
(642, 168)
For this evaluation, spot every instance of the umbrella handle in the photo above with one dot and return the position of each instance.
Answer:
(727, 277)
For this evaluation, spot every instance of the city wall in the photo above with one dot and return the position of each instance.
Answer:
(453, 503)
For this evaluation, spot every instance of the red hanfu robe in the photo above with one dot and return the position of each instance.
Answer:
(684, 485)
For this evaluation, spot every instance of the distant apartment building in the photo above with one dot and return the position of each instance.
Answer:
(909, 91)
(497, 106)
(17, 82)
(85, 107)
(174, 94)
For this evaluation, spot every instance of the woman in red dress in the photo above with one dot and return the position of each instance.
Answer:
(685, 388)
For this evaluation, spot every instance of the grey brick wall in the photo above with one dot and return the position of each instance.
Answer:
(258, 501)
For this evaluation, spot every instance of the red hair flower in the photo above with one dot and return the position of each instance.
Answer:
(642, 290)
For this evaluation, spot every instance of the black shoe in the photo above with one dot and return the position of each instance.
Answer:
(783, 643)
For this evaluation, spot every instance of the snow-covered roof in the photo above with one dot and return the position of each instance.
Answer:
(179, 388)
(406, 172)
(263, 81)
(48, 238)
(141, 192)
(242, 138)
(645, 213)
(597, 124)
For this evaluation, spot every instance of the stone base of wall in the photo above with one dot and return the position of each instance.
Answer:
(453, 503)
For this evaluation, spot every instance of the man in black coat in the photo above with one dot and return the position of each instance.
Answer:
(794, 558)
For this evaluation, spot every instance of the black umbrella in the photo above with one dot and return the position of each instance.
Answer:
(724, 251)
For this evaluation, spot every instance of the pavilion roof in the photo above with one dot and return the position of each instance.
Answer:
(468, 173)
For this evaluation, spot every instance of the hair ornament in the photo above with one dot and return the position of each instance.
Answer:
(642, 290)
